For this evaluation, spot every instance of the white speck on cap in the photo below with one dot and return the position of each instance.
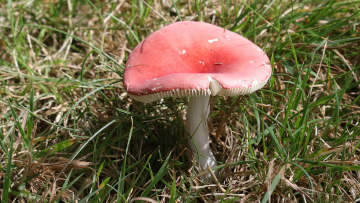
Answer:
(213, 40)
(182, 52)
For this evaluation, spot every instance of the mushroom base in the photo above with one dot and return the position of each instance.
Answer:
(196, 126)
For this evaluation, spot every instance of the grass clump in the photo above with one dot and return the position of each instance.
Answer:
(69, 132)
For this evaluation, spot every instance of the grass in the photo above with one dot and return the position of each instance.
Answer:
(69, 133)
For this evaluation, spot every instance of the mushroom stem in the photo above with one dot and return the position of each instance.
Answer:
(197, 127)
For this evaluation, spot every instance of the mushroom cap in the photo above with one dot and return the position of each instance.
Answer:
(195, 58)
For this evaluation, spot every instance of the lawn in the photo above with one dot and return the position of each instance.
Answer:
(70, 133)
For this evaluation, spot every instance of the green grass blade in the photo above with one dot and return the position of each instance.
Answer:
(158, 176)
(273, 185)
(7, 178)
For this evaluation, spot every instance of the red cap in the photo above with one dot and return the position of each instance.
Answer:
(195, 58)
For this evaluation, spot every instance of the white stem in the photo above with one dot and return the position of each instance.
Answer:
(197, 127)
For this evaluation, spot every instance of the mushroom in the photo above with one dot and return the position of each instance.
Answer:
(196, 60)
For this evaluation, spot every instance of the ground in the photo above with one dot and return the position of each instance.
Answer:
(70, 133)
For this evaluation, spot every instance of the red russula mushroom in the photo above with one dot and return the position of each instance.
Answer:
(199, 60)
